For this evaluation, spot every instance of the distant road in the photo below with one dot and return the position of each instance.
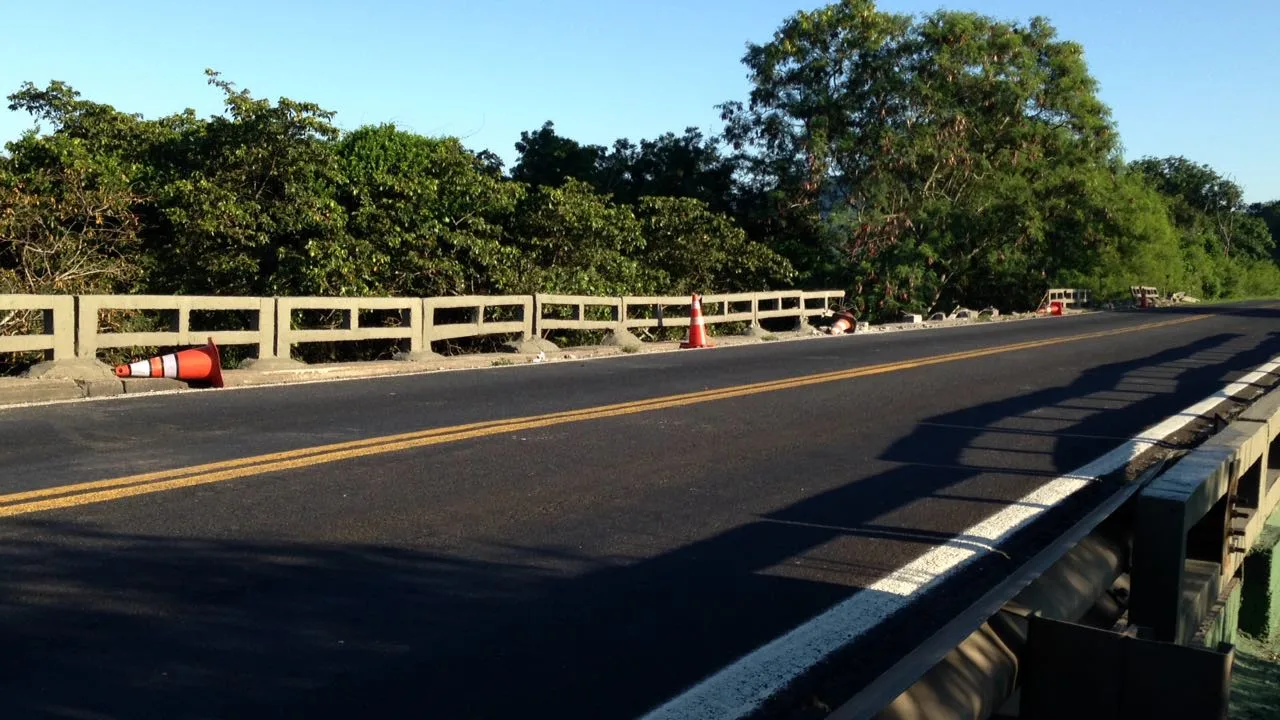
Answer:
(565, 540)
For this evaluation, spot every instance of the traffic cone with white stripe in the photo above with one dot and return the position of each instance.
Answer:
(697, 328)
(844, 323)
(195, 365)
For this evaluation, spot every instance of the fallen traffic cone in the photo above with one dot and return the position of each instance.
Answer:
(697, 329)
(194, 365)
(843, 324)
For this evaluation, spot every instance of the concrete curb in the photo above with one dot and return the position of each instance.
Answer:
(15, 392)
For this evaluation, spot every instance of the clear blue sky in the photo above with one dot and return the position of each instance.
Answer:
(1183, 77)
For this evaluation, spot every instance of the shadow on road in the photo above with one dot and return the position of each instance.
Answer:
(97, 624)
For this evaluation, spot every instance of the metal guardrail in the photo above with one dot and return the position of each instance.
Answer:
(1134, 594)
(73, 326)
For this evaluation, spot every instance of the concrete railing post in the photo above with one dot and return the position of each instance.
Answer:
(264, 322)
(415, 327)
(61, 321)
(87, 324)
(526, 316)
(183, 320)
(284, 328)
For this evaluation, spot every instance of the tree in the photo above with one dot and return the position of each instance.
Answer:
(703, 251)
(1208, 206)
(1269, 213)
(424, 216)
(918, 149)
(549, 159)
(573, 240)
(66, 222)
(247, 206)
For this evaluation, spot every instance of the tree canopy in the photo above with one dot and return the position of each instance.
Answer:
(917, 161)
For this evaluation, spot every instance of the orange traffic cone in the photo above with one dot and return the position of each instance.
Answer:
(843, 324)
(697, 329)
(194, 365)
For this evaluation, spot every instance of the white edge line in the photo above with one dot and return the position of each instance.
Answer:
(743, 686)
(514, 366)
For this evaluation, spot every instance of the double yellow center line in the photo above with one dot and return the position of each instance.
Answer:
(114, 489)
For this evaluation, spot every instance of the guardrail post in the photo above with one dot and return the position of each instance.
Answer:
(284, 327)
(182, 322)
(415, 326)
(87, 326)
(526, 316)
(61, 323)
(264, 321)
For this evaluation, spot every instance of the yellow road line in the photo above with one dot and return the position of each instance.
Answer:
(31, 501)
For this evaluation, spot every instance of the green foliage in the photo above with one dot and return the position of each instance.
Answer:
(1208, 208)
(922, 149)
(703, 251)
(572, 240)
(549, 159)
(248, 207)
(921, 162)
(424, 215)
(66, 220)
(1269, 214)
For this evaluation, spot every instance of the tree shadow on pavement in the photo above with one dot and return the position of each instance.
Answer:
(98, 624)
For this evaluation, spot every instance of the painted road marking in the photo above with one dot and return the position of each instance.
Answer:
(742, 687)
(66, 496)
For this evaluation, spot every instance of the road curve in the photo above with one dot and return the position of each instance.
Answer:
(567, 540)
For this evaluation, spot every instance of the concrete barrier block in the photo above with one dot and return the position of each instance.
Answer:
(144, 385)
(622, 337)
(17, 391)
(532, 346)
(272, 364)
(1260, 601)
(912, 318)
(102, 388)
(78, 369)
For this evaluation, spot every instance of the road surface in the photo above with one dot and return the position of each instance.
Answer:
(566, 540)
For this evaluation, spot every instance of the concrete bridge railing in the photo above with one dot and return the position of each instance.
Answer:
(77, 327)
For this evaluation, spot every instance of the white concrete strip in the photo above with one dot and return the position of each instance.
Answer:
(742, 687)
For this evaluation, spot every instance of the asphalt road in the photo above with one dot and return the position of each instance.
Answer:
(584, 564)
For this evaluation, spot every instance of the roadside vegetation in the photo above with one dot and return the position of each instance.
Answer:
(919, 162)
